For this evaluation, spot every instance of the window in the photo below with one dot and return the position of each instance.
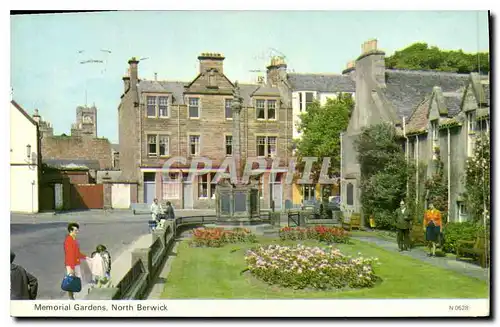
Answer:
(260, 107)
(163, 106)
(171, 188)
(350, 194)
(261, 146)
(271, 146)
(157, 106)
(271, 109)
(300, 101)
(229, 110)
(151, 106)
(309, 99)
(462, 211)
(203, 186)
(164, 145)
(194, 108)
(212, 186)
(309, 192)
(229, 145)
(471, 122)
(194, 145)
(266, 146)
(152, 145)
(435, 130)
(471, 129)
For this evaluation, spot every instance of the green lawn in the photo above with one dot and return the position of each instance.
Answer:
(210, 273)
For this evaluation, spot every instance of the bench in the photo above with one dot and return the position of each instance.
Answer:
(478, 249)
(354, 222)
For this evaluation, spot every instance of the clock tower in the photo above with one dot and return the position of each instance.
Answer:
(86, 122)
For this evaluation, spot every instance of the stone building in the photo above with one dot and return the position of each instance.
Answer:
(44, 127)
(86, 122)
(430, 110)
(159, 120)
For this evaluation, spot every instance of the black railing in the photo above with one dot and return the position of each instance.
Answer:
(293, 217)
(130, 279)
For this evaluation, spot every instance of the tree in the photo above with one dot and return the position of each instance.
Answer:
(477, 180)
(384, 172)
(419, 56)
(320, 127)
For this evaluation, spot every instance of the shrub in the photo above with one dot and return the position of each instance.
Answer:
(320, 233)
(299, 267)
(453, 232)
(385, 219)
(217, 237)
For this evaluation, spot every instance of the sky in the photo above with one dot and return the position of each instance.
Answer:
(47, 50)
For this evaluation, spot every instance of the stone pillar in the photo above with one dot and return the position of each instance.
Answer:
(107, 189)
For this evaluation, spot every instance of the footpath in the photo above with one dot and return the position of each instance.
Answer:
(462, 267)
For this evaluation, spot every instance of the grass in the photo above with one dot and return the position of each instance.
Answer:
(209, 273)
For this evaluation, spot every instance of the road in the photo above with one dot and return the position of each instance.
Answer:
(38, 243)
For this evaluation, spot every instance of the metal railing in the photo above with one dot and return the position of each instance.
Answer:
(132, 277)
(293, 217)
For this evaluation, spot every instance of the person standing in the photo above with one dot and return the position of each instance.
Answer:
(23, 285)
(432, 228)
(169, 211)
(156, 211)
(72, 254)
(403, 225)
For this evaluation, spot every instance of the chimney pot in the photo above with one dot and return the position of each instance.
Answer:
(156, 77)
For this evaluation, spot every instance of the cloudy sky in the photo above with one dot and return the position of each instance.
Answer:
(47, 51)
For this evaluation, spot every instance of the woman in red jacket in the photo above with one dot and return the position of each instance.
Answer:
(72, 254)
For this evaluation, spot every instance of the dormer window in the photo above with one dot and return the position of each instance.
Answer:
(265, 109)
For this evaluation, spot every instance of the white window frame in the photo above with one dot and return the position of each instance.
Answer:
(305, 99)
(275, 109)
(167, 99)
(167, 148)
(198, 106)
(189, 144)
(225, 108)
(307, 190)
(462, 216)
(155, 105)
(148, 136)
(266, 144)
(257, 109)
(201, 183)
(174, 187)
(226, 145)
(471, 133)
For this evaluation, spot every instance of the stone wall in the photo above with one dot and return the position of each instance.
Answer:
(70, 147)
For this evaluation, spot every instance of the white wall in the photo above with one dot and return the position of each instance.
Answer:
(120, 196)
(23, 177)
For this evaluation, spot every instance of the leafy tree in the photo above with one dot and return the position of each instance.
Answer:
(477, 180)
(320, 127)
(384, 172)
(437, 187)
(419, 56)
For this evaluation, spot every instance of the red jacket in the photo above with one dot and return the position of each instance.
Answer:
(72, 254)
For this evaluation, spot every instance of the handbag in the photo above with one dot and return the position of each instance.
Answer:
(71, 284)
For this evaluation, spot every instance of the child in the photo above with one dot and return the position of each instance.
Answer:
(101, 264)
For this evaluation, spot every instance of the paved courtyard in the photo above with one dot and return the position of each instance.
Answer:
(38, 240)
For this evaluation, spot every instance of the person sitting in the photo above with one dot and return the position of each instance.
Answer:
(23, 285)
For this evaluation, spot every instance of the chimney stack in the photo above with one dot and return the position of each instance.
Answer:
(133, 72)
(210, 61)
(276, 71)
(156, 77)
(369, 46)
(36, 117)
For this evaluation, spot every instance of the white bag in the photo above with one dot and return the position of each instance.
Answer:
(86, 272)
(96, 265)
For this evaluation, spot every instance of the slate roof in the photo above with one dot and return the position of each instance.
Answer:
(453, 103)
(418, 120)
(176, 88)
(246, 91)
(487, 93)
(267, 90)
(321, 82)
(406, 89)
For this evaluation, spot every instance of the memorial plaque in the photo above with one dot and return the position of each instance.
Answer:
(240, 202)
(225, 204)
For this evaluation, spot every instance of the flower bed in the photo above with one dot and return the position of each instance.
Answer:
(307, 267)
(320, 233)
(217, 237)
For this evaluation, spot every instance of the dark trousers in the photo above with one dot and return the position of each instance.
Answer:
(404, 239)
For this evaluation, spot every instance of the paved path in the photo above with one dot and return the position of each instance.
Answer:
(462, 267)
(38, 240)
